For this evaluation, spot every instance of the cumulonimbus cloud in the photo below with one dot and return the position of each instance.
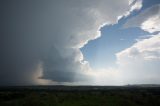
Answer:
(42, 39)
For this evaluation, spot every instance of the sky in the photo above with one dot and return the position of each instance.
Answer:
(77, 42)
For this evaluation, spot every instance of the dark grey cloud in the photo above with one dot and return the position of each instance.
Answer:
(51, 33)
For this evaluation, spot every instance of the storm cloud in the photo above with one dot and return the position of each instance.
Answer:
(42, 39)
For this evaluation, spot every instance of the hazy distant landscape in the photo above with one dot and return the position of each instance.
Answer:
(80, 96)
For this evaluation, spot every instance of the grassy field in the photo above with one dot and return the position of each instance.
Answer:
(110, 97)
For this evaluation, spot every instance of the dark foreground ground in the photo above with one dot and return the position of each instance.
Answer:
(79, 96)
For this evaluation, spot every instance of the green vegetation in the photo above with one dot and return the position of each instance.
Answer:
(140, 97)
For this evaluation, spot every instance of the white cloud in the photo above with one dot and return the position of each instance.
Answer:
(152, 24)
(144, 49)
(138, 64)
(141, 62)
(137, 5)
(148, 20)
